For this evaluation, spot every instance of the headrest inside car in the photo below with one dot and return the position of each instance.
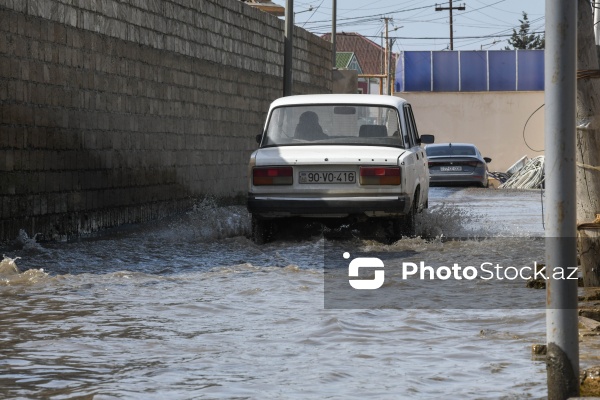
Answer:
(372, 131)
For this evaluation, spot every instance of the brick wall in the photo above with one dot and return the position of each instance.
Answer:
(116, 112)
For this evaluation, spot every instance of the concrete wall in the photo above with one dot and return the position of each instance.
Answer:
(116, 112)
(345, 81)
(493, 121)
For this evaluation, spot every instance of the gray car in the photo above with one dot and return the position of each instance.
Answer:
(457, 164)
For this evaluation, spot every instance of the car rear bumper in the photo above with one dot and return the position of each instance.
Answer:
(277, 206)
(456, 179)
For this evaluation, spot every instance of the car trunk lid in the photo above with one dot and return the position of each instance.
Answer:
(329, 155)
(453, 164)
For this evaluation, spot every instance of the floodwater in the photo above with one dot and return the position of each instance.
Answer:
(189, 308)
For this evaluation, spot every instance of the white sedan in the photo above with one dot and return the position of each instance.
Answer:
(338, 158)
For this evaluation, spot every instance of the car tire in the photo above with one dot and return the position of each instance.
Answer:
(393, 230)
(486, 182)
(404, 226)
(262, 230)
(408, 223)
(408, 226)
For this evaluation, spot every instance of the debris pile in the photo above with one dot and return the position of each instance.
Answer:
(529, 176)
(499, 176)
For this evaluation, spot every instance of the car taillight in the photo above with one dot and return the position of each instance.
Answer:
(272, 176)
(379, 175)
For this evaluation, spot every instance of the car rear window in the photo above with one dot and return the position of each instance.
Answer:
(334, 124)
(454, 150)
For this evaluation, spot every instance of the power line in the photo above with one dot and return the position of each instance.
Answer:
(314, 10)
(450, 8)
(374, 15)
(371, 24)
(441, 37)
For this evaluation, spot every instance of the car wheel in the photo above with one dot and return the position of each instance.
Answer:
(393, 230)
(408, 222)
(262, 230)
(408, 226)
(486, 182)
(404, 226)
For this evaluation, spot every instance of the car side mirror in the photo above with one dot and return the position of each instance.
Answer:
(258, 138)
(487, 159)
(427, 139)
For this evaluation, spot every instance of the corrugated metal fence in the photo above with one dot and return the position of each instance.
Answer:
(470, 71)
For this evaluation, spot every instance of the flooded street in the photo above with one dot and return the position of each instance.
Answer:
(190, 308)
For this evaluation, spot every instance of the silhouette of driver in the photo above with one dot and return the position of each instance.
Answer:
(308, 127)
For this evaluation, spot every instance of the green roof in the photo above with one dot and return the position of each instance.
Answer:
(342, 59)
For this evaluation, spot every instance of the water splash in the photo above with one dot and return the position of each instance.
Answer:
(205, 222)
(25, 242)
(11, 275)
(445, 220)
(8, 266)
(416, 244)
(458, 221)
(209, 221)
(220, 222)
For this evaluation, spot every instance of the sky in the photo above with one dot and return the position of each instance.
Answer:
(416, 25)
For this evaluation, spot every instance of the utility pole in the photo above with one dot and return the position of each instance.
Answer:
(333, 33)
(382, 58)
(390, 63)
(596, 6)
(461, 8)
(562, 359)
(588, 149)
(387, 53)
(288, 54)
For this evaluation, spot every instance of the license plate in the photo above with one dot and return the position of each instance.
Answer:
(450, 169)
(327, 177)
